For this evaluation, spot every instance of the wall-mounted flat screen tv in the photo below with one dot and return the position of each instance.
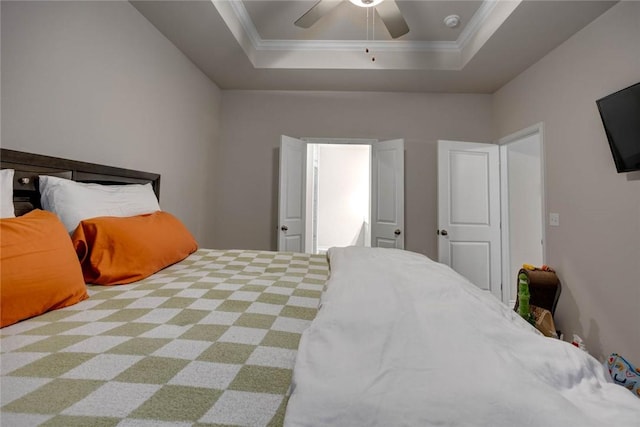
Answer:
(620, 113)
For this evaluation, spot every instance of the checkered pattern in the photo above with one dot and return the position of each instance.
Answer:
(209, 341)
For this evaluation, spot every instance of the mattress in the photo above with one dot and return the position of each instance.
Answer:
(209, 340)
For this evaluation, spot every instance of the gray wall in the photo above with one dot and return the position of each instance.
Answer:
(596, 248)
(252, 122)
(95, 81)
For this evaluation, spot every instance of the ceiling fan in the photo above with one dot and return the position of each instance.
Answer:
(387, 10)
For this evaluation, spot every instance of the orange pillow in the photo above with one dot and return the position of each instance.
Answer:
(39, 270)
(117, 250)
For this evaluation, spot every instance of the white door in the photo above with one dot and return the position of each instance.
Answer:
(387, 194)
(292, 194)
(469, 211)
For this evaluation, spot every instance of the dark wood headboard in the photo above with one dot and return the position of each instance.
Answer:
(28, 166)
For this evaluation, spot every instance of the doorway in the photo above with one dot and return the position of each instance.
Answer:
(386, 193)
(522, 195)
(338, 193)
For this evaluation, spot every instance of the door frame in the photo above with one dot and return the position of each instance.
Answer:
(503, 142)
(359, 141)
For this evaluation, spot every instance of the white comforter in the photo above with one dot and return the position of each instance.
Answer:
(402, 340)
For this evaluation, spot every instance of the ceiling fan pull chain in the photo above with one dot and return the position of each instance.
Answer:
(373, 36)
(366, 49)
(373, 30)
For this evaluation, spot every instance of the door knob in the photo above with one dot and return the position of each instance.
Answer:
(397, 232)
(284, 228)
(443, 232)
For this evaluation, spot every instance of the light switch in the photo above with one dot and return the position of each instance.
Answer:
(554, 219)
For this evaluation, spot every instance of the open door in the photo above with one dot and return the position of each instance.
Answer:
(469, 212)
(292, 195)
(387, 194)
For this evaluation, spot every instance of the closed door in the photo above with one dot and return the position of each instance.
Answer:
(469, 212)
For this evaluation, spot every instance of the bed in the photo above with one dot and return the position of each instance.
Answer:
(210, 340)
(244, 337)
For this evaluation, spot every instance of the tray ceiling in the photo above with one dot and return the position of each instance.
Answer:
(254, 44)
(273, 19)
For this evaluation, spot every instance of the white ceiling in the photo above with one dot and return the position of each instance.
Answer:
(253, 44)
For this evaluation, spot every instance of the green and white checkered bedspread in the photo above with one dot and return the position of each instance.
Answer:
(211, 340)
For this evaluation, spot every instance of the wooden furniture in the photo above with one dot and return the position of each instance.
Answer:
(28, 166)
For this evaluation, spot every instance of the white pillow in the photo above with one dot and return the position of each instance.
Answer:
(6, 194)
(74, 201)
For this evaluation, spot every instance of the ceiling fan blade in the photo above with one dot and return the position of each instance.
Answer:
(316, 12)
(392, 18)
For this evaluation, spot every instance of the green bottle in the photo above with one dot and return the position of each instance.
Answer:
(523, 298)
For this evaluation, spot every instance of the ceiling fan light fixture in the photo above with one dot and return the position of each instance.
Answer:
(366, 3)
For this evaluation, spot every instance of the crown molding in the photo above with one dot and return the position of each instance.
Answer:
(433, 55)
